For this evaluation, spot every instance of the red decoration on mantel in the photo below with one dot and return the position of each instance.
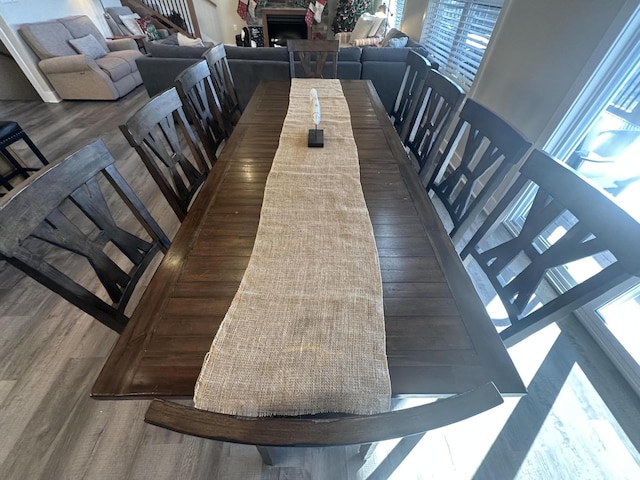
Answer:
(243, 6)
(308, 18)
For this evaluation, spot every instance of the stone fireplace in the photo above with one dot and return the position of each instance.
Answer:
(279, 20)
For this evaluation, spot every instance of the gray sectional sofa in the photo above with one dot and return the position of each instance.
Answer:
(383, 66)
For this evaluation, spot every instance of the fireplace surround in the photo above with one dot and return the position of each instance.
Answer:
(281, 24)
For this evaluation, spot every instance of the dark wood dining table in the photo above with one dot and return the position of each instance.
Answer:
(440, 339)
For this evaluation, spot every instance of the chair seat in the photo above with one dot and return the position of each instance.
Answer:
(8, 129)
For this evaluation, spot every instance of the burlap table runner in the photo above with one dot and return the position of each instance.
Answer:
(305, 331)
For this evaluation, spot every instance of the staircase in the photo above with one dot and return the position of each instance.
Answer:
(174, 15)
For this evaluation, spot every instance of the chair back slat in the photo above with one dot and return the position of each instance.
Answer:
(169, 148)
(411, 92)
(312, 56)
(224, 85)
(202, 105)
(490, 150)
(63, 211)
(424, 132)
(568, 220)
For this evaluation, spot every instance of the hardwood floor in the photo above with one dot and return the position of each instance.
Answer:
(580, 419)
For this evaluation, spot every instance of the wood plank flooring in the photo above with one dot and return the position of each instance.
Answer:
(579, 421)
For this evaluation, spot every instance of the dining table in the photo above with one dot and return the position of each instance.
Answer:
(440, 340)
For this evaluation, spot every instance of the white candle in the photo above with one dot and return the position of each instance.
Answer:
(315, 107)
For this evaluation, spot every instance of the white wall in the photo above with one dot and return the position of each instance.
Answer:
(208, 16)
(412, 17)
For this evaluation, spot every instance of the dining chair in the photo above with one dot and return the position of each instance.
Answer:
(169, 148)
(491, 148)
(325, 430)
(425, 130)
(65, 214)
(216, 58)
(14, 166)
(202, 106)
(411, 91)
(569, 219)
(312, 56)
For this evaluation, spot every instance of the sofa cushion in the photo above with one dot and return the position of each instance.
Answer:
(349, 54)
(157, 49)
(48, 39)
(116, 66)
(81, 25)
(89, 46)
(129, 56)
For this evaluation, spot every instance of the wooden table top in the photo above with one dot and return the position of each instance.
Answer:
(440, 340)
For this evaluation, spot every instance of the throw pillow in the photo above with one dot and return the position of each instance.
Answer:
(363, 27)
(377, 27)
(89, 46)
(129, 21)
(393, 33)
(148, 28)
(398, 42)
(185, 41)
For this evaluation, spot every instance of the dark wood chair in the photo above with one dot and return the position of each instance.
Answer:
(14, 166)
(202, 105)
(169, 148)
(312, 56)
(591, 224)
(64, 209)
(491, 148)
(411, 92)
(425, 130)
(324, 430)
(216, 58)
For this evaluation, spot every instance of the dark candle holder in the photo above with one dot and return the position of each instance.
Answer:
(316, 138)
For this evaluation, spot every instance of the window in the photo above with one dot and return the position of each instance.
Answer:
(457, 33)
(395, 13)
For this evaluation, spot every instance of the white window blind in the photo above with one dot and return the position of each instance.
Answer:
(457, 33)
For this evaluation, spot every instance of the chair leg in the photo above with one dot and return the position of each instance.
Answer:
(34, 149)
(267, 454)
(18, 166)
(365, 451)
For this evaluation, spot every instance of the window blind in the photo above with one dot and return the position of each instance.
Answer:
(457, 33)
